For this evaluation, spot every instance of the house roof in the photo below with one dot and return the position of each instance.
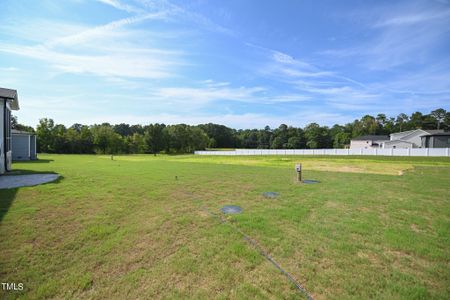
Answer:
(404, 132)
(440, 133)
(14, 131)
(10, 95)
(419, 129)
(398, 141)
(371, 138)
(436, 131)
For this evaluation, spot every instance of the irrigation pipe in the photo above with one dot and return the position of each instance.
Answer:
(264, 253)
(261, 250)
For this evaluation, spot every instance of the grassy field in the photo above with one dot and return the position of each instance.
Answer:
(138, 227)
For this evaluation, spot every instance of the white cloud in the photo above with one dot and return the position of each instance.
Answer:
(413, 18)
(108, 65)
(398, 35)
(215, 92)
(180, 12)
(209, 94)
(110, 50)
(107, 30)
(121, 6)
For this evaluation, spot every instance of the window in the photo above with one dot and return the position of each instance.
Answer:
(448, 141)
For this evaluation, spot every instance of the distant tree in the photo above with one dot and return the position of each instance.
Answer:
(44, 133)
(381, 121)
(340, 135)
(220, 135)
(317, 136)
(182, 138)
(294, 142)
(401, 120)
(185, 139)
(15, 125)
(370, 124)
(86, 140)
(447, 120)
(123, 129)
(155, 138)
(277, 142)
(416, 120)
(439, 114)
(248, 138)
(137, 129)
(136, 143)
(280, 137)
(341, 140)
(106, 140)
(264, 138)
(59, 139)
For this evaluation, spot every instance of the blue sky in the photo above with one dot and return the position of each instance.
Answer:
(242, 63)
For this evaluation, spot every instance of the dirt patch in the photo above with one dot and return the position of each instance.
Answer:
(414, 228)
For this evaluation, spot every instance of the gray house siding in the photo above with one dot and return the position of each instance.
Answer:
(441, 141)
(23, 146)
(8, 102)
(2, 130)
(33, 147)
(436, 141)
(20, 147)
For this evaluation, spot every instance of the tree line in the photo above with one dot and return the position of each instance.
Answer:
(181, 138)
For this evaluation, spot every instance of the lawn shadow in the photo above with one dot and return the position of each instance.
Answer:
(27, 172)
(6, 199)
(35, 161)
(7, 196)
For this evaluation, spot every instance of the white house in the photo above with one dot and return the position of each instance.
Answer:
(411, 139)
(8, 102)
(368, 141)
(418, 138)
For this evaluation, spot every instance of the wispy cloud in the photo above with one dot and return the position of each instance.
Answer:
(110, 50)
(212, 91)
(398, 35)
(181, 12)
(413, 18)
(119, 5)
(107, 30)
(108, 65)
(310, 82)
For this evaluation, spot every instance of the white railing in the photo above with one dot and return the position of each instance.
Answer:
(359, 151)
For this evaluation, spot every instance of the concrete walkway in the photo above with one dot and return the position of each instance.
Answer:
(15, 181)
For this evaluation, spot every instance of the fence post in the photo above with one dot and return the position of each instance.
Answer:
(428, 152)
(448, 152)
(409, 151)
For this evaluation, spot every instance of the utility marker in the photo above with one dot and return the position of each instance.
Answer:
(298, 170)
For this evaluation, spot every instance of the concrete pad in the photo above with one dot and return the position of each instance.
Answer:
(15, 181)
(231, 209)
(271, 195)
(310, 181)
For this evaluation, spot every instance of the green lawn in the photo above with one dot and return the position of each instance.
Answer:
(127, 229)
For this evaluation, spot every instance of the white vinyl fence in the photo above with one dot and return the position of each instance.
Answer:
(361, 151)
